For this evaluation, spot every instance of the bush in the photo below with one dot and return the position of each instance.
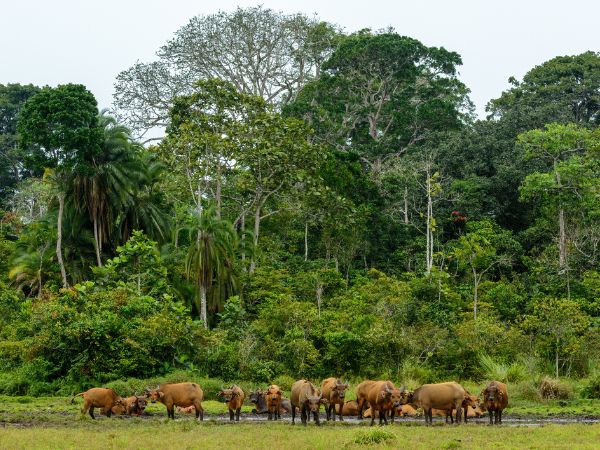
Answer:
(591, 389)
(374, 436)
(525, 390)
(553, 389)
(284, 382)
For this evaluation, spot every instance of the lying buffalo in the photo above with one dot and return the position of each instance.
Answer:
(99, 398)
(444, 396)
(350, 408)
(178, 394)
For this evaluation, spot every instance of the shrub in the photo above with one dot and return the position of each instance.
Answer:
(553, 389)
(284, 382)
(591, 389)
(374, 436)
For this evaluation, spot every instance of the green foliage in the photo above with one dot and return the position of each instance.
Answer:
(371, 437)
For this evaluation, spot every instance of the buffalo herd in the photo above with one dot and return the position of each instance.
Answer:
(375, 399)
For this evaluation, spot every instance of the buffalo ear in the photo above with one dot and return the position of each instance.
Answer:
(161, 394)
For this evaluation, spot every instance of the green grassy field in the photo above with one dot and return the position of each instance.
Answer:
(188, 434)
(55, 423)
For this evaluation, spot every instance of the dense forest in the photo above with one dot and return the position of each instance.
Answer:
(273, 196)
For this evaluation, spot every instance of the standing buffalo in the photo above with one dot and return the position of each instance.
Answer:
(178, 394)
(333, 389)
(258, 398)
(494, 399)
(384, 398)
(273, 399)
(99, 398)
(444, 396)
(308, 399)
(362, 391)
(234, 396)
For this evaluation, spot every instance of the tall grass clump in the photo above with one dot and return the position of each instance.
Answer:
(373, 436)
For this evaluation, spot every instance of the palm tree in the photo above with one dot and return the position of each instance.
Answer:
(210, 256)
(108, 187)
(145, 209)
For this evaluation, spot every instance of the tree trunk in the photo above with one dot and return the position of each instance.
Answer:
(255, 237)
(203, 313)
(59, 256)
(556, 356)
(406, 206)
(562, 240)
(429, 230)
(243, 228)
(475, 293)
(218, 191)
(97, 243)
(319, 293)
(306, 241)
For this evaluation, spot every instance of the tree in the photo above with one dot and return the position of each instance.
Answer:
(482, 249)
(562, 323)
(59, 130)
(105, 189)
(260, 51)
(564, 89)
(561, 189)
(12, 168)
(382, 93)
(210, 256)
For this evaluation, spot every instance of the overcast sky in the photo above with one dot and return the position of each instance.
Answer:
(50, 42)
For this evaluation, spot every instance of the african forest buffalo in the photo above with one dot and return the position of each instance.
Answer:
(444, 396)
(350, 408)
(383, 397)
(308, 399)
(178, 394)
(494, 398)
(234, 396)
(273, 399)
(362, 391)
(99, 398)
(333, 389)
(260, 403)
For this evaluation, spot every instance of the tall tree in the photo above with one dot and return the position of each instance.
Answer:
(59, 131)
(260, 51)
(561, 190)
(210, 256)
(12, 169)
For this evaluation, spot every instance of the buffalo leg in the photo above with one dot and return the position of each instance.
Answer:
(393, 413)
(316, 416)
(237, 414)
(458, 414)
(91, 411)
(372, 417)
(231, 415)
(428, 416)
(199, 411)
(303, 415)
(108, 412)
(499, 416)
(270, 415)
(491, 413)
(466, 410)
(293, 414)
(361, 402)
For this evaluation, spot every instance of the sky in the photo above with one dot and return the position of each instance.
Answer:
(50, 42)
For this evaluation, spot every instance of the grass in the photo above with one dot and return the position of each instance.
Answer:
(188, 434)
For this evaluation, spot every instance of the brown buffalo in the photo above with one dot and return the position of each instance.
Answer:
(273, 400)
(362, 391)
(469, 404)
(350, 408)
(384, 398)
(406, 411)
(494, 398)
(308, 399)
(130, 406)
(186, 410)
(333, 390)
(444, 396)
(178, 394)
(99, 398)
(260, 403)
(234, 396)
